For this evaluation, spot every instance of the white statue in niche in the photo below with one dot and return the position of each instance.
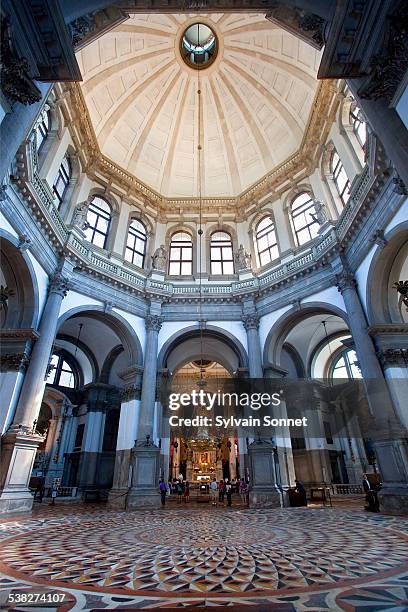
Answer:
(320, 213)
(80, 214)
(243, 258)
(160, 259)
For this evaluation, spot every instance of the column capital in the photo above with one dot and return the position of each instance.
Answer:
(59, 284)
(153, 323)
(16, 362)
(345, 280)
(251, 321)
(393, 357)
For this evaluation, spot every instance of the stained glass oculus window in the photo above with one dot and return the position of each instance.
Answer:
(198, 46)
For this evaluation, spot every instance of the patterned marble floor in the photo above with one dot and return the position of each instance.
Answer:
(289, 559)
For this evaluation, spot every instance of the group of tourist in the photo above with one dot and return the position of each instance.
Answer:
(226, 488)
(218, 490)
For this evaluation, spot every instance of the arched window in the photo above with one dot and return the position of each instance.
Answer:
(136, 243)
(181, 254)
(266, 243)
(98, 217)
(222, 261)
(61, 373)
(43, 126)
(61, 181)
(359, 124)
(345, 366)
(340, 177)
(304, 221)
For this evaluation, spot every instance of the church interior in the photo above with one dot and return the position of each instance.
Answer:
(206, 193)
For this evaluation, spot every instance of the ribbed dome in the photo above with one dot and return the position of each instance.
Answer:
(143, 101)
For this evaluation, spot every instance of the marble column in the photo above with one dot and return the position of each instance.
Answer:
(388, 126)
(145, 455)
(395, 364)
(20, 442)
(32, 390)
(15, 126)
(388, 434)
(251, 324)
(153, 325)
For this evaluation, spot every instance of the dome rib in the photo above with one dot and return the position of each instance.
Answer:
(257, 96)
(113, 119)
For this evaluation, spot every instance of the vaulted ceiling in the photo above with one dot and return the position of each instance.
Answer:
(143, 102)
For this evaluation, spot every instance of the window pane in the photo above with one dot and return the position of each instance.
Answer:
(262, 243)
(99, 240)
(227, 253)
(228, 268)
(129, 254)
(175, 253)
(174, 268)
(138, 260)
(303, 236)
(274, 252)
(102, 225)
(340, 373)
(91, 218)
(216, 253)
(263, 224)
(216, 268)
(88, 234)
(101, 204)
(264, 258)
(314, 230)
(66, 379)
(186, 268)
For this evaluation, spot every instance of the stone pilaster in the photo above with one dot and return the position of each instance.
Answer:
(389, 438)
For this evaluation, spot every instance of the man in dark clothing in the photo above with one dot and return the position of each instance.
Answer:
(163, 492)
(302, 492)
(371, 496)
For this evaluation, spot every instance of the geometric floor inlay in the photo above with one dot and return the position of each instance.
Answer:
(298, 558)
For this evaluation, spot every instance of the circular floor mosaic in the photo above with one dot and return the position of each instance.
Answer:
(211, 551)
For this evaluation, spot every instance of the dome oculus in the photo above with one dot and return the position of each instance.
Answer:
(198, 46)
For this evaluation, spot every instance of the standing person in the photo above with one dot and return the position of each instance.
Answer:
(163, 492)
(221, 490)
(243, 490)
(228, 490)
(54, 491)
(187, 492)
(302, 492)
(179, 491)
(214, 492)
(40, 489)
(371, 496)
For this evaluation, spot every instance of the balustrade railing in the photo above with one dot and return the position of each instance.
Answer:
(121, 270)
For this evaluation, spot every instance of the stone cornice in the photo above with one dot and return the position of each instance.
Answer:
(124, 184)
(16, 335)
(388, 328)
